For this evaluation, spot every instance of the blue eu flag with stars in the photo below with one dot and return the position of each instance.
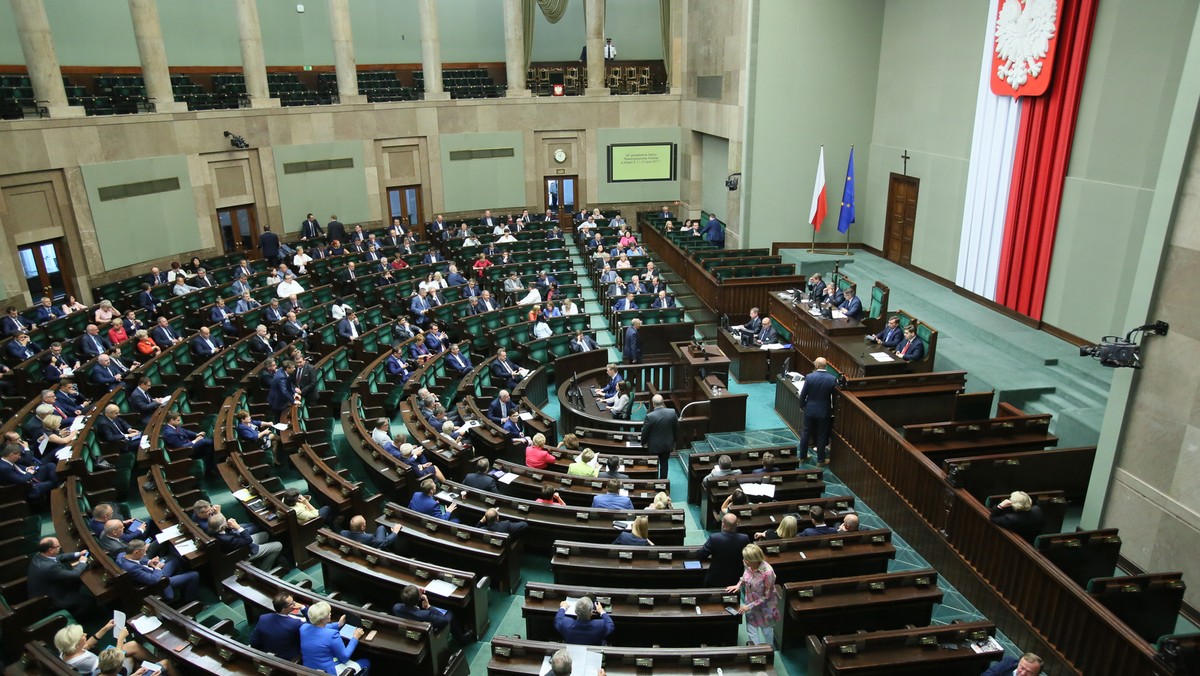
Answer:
(847, 215)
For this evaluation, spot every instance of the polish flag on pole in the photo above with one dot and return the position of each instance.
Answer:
(817, 213)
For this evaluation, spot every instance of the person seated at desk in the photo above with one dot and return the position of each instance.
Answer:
(851, 306)
(569, 308)
(911, 348)
(305, 512)
(278, 633)
(753, 326)
(584, 629)
(205, 344)
(414, 457)
(637, 535)
(1028, 664)
(786, 529)
(621, 403)
(817, 515)
(415, 606)
(481, 479)
(457, 361)
(890, 336)
(491, 521)
(143, 571)
(550, 496)
(1018, 514)
(663, 301)
(768, 464)
(582, 343)
(322, 647)
(541, 330)
(612, 469)
(231, 536)
(661, 501)
(506, 370)
(626, 303)
(36, 478)
(513, 427)
(500, 407)
(614, 379)
(21, 348)
(423, 501)
(737, 498)
(767, 335)
(832, 296)
(384, 538)
(176, 436)
(611, 497)
(583, 464)
(724, 468)
(536, 455)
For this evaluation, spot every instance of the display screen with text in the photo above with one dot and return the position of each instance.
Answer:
(641, 162)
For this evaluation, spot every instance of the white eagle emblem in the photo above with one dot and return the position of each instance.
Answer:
(1023, 38)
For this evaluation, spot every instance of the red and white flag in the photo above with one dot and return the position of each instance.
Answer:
(817, 213)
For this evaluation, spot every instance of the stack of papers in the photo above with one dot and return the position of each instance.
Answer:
(145, 624)
(440, 588)
(186, 547)
(79, 423)
(63, 453)
(526, 415)
(279, 426)
(244, 495)
(882, 357)
(507, 478)
(989, 646)
(759, 490)
(169, 533)
(838, 314)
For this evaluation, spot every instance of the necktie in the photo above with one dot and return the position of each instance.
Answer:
(507, 367)
(905, 348)
(95, 343)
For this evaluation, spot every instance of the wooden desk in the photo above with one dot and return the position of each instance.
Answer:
(747, 364)
(868, 602)
(940, 651)
(519, 657)
(840, 341)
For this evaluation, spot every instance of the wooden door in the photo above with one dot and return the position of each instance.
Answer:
(901, 218)
(404, 202)
(560, 196)
(42, 264)
(239, 230)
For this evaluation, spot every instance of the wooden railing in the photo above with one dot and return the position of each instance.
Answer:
(1034, 602)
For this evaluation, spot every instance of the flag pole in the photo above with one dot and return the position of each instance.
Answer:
(813, 247)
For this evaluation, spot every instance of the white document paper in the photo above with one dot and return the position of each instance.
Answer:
(440, 588)
(624, 492)
(78, 424)
(145, 443)
(525, 415)
(169, 533)
(244, 495)
(279, 426)
(42, 444)
(446, 497)
(991, 645)
(152, 667)
(145, 624)
(508, 478)
(63, 454)
(759, 490)
(570, 609)
(772, 346)
(118, 622)
(882, 357)
(472, 423)
(186, 547)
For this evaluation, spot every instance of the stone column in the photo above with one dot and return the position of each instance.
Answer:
(254, 64)
(594, 18)
(679, 13)
(343, 52)
(514, 49)
(431, 51)
(153, 55)
(33, 29)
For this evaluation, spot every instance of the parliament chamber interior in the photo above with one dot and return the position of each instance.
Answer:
(505, 337)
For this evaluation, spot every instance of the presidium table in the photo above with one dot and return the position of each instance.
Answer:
(841, 341)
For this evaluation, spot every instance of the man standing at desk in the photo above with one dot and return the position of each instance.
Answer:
(659, 431)
(816, 399)
(633, 343)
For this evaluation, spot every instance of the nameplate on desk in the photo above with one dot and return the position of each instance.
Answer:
(604, 600)
(921, 582)
(502, 651)
(646, 601)
(496, 542)
(687, 600)
(746, 513)
(625, 556)
(704, 458)
(806, 593)
(345, 549)
(596, 484)
(412, 635)
(582, 516)
(371, 559)
(772, 550)
(879, 539)
(700, 662)
(876, 586)
(431, 526)
(644, 663)
(522, 508)
(489, 500)
(536, 594)
(837, 544)
(565, 551)
(422, 573)
(564, 481)
(665, 556)
(729, 600)
(463, 535)
(225, 654)
(535, 476)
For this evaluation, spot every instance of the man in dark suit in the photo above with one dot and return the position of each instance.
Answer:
(663, 301)
(293, 330)
(306, 378)
(1028, 664)
(725, 549)
(283, 390)
(156, 277)
(349, 328)
(582, 343)
(269, 243)
(278, 633)
(21, 348)
(633, 343)
(480, 480)
(584, 628)
(310, 228)
(852, 304)
(145, 571)
(36, 480)
(911, 348)
(56, 574)
(92, 343)
(13, 323)
(816, 287)
(816, 399)
(103, 372)
(163, 334)
(500, 407)
(506, 370)
(819, 527)
(458, 361)
(205, 344)
(767, 335)
(890, 336)
(415, 606)
(491, 521)
(46, 311)
(714, 232)
(141, 402)
(112, 428)
(384, 538)
(175, 435)
(334, 230)
(660, 429)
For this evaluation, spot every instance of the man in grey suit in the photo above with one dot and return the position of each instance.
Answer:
(659, 432)
(816, 399)
(56, 574)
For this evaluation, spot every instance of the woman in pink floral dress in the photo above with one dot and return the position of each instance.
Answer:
(760, 602)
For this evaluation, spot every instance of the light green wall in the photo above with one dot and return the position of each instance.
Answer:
(560, 41)
(813, 88)
(1136, 59)
(137, 229)
(336, 191)
(386, 32)
(472, 30)
(215, 20)
(91, 33)
(714, 160)
(650, 191)
(925, 104)
(291, 38)
(493, 183)
(634, 27)
(10, 47)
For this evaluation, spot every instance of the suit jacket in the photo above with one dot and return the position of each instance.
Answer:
(11, 327)
(505, 370)
(585, 345)
(890, 337)
(147, 302)
(43, 314)
(816, 291)
(660, 430)
(460, 363)
(725, 549)
(311, 229)
(344, 329)
(17, 353)
(1026, 524)
(577, 631)
(381, 539)
(665, 302)
(142, 403)
(92, 346)
(427, 504)
(269, 243)
(104, 376)
(1004, 667)
(110, 430)
(282, 392)
(633, 345)
(498, 411)
(306, 380)
(768, 336)
(911, 350)
(481, 482)
(435, 343)
(335, 230)
(201, 347)
(12, 475)
(178, 437)
(852, 307)
(278, 634)
(435, 618)
(816, 396)
(162, 336)
(55, 578)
